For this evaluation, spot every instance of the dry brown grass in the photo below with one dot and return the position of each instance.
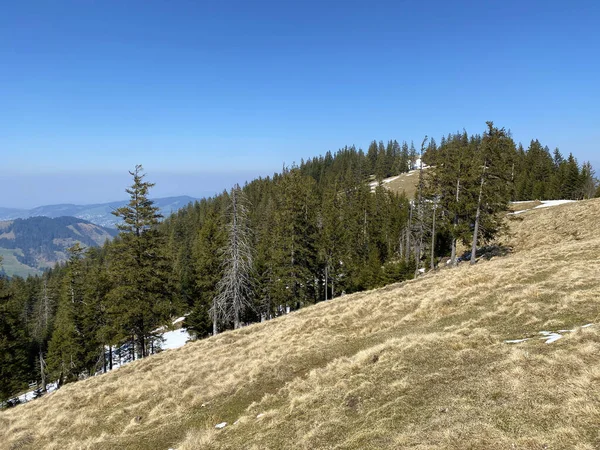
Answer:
(524, 206)
(420, 365)
(406, 182)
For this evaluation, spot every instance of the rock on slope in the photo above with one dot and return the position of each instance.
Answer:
(419, 365)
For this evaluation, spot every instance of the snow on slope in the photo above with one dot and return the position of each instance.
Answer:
(174, 339)
(548, 336)
(545, 204)
(170, 340)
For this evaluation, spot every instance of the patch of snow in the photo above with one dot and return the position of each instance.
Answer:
(548, 336)
(28, 396)
(516, 341)
(221, 425)
(171, 340)
(548, 203)
(552, 338)
(545, 204)
(179, 319)
(374, 184)
(259, 415)
(421, 270)
(174, 339)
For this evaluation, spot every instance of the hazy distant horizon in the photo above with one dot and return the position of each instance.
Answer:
(212, 93)
(30, 190)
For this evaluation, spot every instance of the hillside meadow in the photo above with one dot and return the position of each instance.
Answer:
(418, 365)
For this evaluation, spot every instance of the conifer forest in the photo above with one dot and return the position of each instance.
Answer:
(317, 230)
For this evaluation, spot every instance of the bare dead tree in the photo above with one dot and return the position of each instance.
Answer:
(434, 213)
(420, 226)
(41, 328)
(478, 216)
(234, 290)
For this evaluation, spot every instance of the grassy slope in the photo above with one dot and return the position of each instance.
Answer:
(12, 266)
(420, 365)
(405, 182)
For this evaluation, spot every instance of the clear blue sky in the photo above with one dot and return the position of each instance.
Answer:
(205, 93)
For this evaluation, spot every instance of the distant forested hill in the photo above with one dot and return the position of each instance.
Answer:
(30, 245)
(100, 214)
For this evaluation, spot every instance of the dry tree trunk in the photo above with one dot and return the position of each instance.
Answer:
(477, 217)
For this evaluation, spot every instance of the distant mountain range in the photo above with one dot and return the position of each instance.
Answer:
(99, 214)
(28, 246)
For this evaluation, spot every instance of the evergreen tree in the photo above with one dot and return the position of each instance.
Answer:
(572, 185)
(140, 298)
(451, 180)
(295, 237)
(495, 157)
(14, 346)
(372, 156)
(41, 327)
(208, 272)
(66, 347)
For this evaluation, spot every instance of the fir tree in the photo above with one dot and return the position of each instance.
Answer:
(495, 157)
(208, 272)
(14, 346)
(65, 350)
(141, 300)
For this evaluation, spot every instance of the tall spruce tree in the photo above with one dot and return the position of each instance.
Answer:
(495, 158)
(140, 298)
(43, 316)
(14, 345)
(66, 348)
(295, 238)
(211, 238)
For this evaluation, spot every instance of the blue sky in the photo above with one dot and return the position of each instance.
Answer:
(207, 93)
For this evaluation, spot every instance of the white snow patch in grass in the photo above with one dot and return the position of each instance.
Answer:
(548, 203)
(174, 339)
(373, 184)
(259, 415)
(515, 341)
(545, 204)
(549, 336)
(552, 338)
(221, 425)
(179, 319)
